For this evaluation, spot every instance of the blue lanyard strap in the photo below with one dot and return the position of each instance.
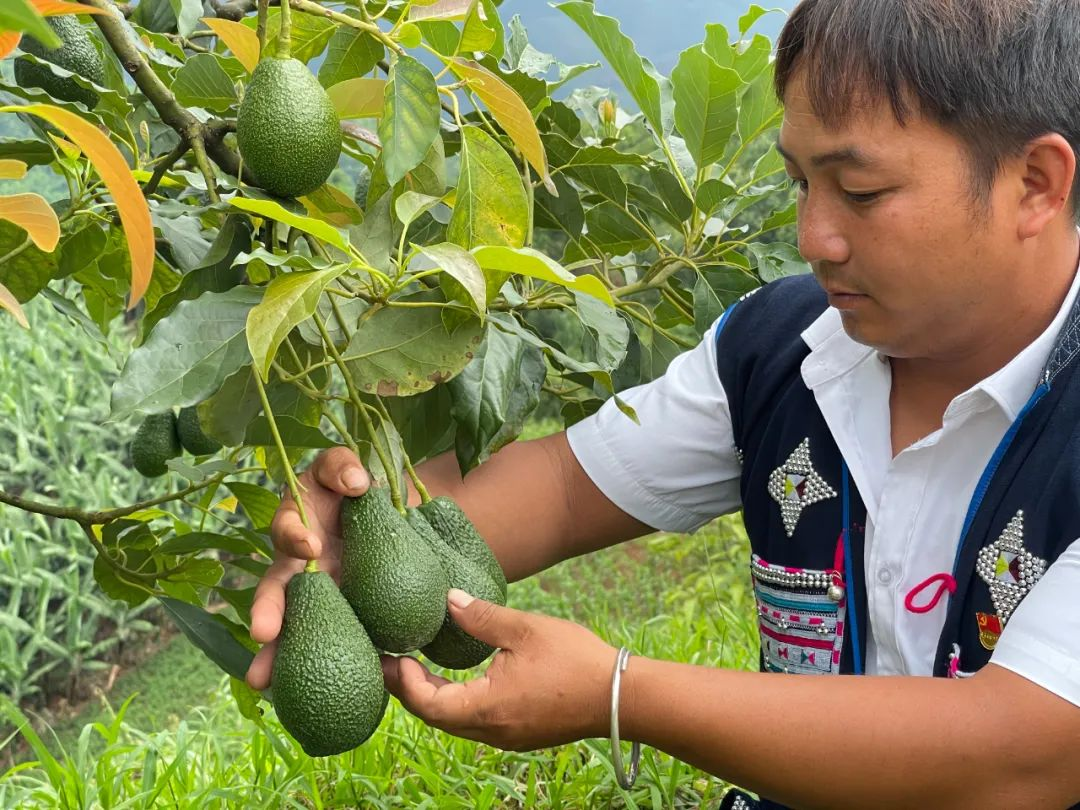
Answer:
(849, 572)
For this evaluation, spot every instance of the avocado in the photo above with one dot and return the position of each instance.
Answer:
(390, 576)
(457, 530)
(155, 443)
(191, 435)
(453, 648)
(287, 130)
(326, 678)
(363, 184)
(77, 54)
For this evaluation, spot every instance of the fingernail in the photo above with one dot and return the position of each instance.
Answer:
(458, 598)
(307, 548)
(353, 478)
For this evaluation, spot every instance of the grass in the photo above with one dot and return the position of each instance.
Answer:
(173, 745)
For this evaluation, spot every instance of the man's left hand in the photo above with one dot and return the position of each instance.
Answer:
(549, 684)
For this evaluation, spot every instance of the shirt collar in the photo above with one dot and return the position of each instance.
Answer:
(833, 354)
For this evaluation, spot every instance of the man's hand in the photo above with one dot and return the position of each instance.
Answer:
(549, 684)
(334, 474)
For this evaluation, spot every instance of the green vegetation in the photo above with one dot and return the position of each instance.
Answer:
(392, 578)
(154, 444)
(77, 55)
(286, 128)
(452, 647)
(327, 680)
(191, 435)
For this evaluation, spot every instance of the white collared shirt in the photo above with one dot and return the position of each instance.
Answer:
(678, 470)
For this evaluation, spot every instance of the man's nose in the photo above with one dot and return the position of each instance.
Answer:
(821, 239)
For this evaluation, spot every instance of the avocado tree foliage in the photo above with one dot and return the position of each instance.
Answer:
(505, 241)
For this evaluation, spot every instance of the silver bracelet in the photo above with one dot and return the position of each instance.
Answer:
(626, 778)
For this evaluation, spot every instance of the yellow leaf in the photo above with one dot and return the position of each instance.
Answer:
(358, 98)
(510, 111)
(67, 147)
(12, 170)
(228, 504)
(238, 38)
(8, 302)
(113, 170)
(55, 8)
(144, 176)
(34, 215)
(9, 40)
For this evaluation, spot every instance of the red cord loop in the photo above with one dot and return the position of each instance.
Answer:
(945, 582)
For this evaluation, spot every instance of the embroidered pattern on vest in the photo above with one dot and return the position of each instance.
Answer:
(1009, 569)
(801, 625)
(795, 485)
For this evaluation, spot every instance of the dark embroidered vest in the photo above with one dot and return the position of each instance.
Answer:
(811, 596)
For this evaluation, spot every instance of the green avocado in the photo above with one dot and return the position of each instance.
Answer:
(155, 443)
(326, 679)
(390, 576)
(191, 435)
(457, 530)
(287, 130)
(363, 183)
(77, 54)
(453, 648)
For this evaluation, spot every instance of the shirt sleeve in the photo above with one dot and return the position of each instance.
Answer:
(677, 469)
(1041, 641)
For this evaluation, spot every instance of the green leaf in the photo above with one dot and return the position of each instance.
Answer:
(494, 395)
(753, 58)
(188, 355)
(608, 333)
(533, 263)
(209, 635)
(26, 274)
(18, 15)
(402, 351)
(203, 82)
(476, 34)
(491, 206)
(462, 266)
(259, 503)
(509, 111)
(410, 121)
(203, 541)
(358, 98)
(753, 14)
(716, 289)
(187, 14)
(293, 432)
(610, 228)
(310, 33)
(706, 104)
(272, 210)
(411, 204)
(636, 73)
(442, 35)
(289, 299)
(351, 53)
(79, 249)
(758, 108)
(777, 260)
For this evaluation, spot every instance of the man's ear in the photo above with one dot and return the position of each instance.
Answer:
(1048, 166)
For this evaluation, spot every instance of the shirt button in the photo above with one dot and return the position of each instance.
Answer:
(884, 575)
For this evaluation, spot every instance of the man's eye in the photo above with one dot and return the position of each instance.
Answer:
(798, 183)
(863, 198)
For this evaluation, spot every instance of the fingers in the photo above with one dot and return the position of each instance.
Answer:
(291, 536)
(258, 674)
(493, 624)
(339, 469)
(435, 700)
(268, 607)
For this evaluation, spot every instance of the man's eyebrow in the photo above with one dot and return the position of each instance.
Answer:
(848, 155)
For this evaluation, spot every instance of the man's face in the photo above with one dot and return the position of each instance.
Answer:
(915, 267)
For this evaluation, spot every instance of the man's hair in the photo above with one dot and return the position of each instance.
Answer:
(995, 73)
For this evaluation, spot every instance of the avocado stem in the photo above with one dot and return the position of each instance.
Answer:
(312, 567)
(290, 476)
(384, 414)
(284, 43)
(361, 410)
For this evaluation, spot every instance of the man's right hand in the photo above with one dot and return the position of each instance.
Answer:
(334, 474)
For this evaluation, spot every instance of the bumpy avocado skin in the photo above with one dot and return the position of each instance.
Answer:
(446, 517)
(327, 682)
(192, 437)
(155, 443)
(77, 54)
(390, 576)
(287, 130)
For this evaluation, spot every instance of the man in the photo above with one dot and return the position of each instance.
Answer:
(902, 435)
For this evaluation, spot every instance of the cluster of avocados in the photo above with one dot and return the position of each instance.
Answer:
(77, 54)
(396, 571)
(162, 436)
